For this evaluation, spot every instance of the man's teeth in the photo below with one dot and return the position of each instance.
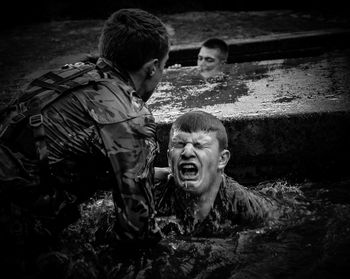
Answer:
(189, 169)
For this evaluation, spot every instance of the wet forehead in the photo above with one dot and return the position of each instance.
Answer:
(209, 52)
(194, 137)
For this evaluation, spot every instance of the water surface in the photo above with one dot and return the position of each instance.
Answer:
(314, 243)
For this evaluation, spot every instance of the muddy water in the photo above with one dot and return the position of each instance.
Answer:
(313, 243)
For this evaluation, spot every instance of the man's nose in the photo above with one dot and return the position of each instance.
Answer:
(188, 150)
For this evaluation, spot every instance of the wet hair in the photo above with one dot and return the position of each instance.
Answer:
(218, 44)
(196, 121)
(132, 37)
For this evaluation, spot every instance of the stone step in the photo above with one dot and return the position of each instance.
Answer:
(284, 117)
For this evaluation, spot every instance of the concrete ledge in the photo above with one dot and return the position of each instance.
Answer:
(274, 46)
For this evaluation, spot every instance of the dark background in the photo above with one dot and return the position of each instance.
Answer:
(30, 11)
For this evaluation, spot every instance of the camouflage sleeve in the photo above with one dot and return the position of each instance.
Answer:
(131, 149)
(258, 207)
(251, 205)
(128, 132)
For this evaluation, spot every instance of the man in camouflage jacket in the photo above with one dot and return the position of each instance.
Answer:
(97, 134)
(200, 197)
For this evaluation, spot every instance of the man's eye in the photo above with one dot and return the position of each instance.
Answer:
(198, 146)
(210, 60)
(178, 144)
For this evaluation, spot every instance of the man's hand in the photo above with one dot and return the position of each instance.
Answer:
(161, 174)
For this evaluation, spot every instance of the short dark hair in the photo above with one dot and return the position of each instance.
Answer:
(196, 121)
(132, 37)
(218, 44)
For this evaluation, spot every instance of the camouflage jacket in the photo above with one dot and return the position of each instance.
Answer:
(234, 207)
(102, 136)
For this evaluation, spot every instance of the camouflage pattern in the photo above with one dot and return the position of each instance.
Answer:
(100, 135)
(235, 207)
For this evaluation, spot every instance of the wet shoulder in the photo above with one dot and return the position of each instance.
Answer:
(249, 204)
(110, 101)
(232, 189)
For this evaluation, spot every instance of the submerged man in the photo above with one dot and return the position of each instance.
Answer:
(200, 195)
(212, 56)
(98, 133)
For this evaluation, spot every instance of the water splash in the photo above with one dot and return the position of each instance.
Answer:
(313, 243)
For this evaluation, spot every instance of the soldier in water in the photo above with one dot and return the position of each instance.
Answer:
(212, 57)
(81, 128)
(203, 199)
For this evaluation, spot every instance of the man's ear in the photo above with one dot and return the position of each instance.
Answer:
(223, 159)
(150, 67)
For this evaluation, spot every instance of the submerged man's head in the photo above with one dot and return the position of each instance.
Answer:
(198, 152)
(212, 56)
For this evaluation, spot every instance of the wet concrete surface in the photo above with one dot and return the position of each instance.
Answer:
(270, 87)
(284, 116)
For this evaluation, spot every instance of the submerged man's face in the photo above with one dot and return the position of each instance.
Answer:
(209, 62)
(195, 160)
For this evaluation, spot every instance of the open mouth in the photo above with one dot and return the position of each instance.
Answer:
(188, 171)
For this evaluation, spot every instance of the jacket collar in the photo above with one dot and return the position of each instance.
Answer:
(107, 66)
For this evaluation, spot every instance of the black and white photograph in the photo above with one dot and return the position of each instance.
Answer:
(174, 139)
